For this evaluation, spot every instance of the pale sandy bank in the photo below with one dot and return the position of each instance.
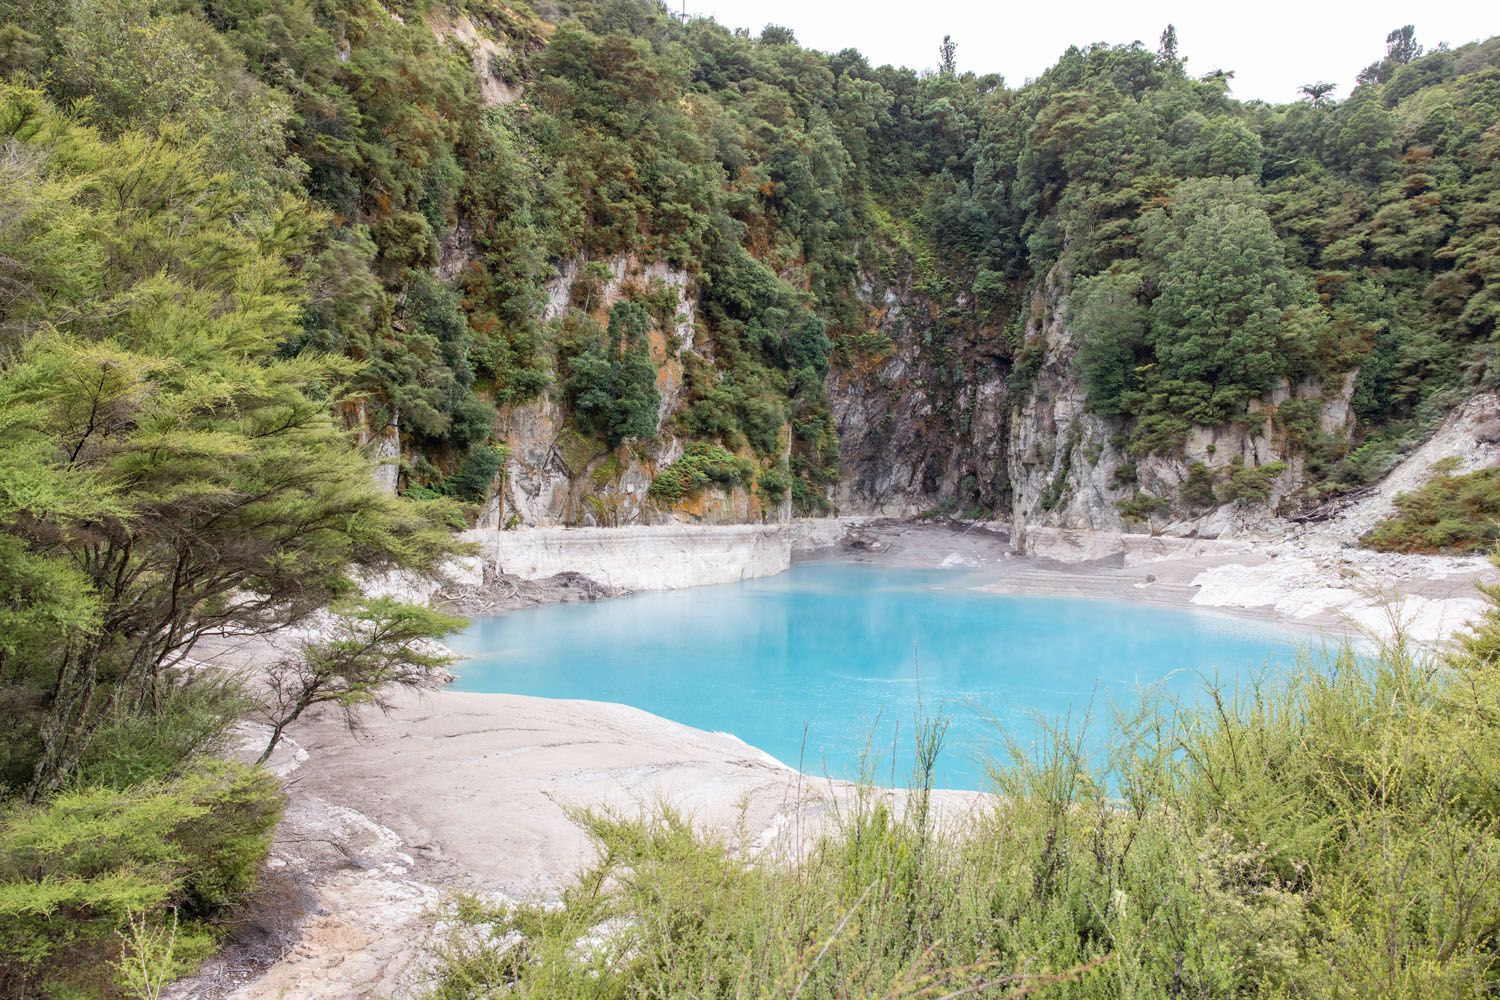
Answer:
(455, 792)
(464, 792)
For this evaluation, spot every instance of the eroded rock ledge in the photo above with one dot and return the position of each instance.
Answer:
(641, 557)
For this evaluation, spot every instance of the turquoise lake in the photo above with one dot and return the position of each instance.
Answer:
(819, 666)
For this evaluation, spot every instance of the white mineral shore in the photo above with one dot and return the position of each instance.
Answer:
(454, 792)
(639, 557)
(1311, 585)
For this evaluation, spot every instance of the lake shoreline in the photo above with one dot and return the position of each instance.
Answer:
(858, 651)
(459, 792)
(1309, 586)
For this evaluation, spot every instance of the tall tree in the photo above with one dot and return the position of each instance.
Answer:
(1217, 324)
(1106, 312)
(164, 468)
(1317, 93)
(1167, 46)
(1401, 45)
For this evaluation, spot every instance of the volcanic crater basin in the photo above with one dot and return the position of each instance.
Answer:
(830, 666)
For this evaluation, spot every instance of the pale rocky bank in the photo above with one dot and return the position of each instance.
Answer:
(453, 792)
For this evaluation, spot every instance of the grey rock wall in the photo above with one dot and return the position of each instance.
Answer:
(912, 439)
(920, 427)
(555, 476)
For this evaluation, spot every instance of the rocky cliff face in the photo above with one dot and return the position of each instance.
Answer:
(922, 426)
(556, 476)
(926, 423)
(949, 428)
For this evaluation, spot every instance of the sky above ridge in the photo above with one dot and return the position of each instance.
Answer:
(1273, 47)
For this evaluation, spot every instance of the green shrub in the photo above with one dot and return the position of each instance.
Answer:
(1158, 433)
(1451, 513)
(1252, 485)
(476, 475)
(193, 720)
(762, 420)
(406, 242)
(1055, 491)
(1298, 419)
(808, 498)
(612, 384)
(1140, 506)
(773, 484)
(472, 423)
(1024, 369)
(75, 871)
(1197, 491)
(700, 466)
(1373, 459)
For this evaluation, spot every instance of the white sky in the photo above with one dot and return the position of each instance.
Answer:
(1273, 46)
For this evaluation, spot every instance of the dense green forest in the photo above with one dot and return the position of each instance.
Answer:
(240, 238)
(1210, 248)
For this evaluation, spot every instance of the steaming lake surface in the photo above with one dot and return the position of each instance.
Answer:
(819, 666)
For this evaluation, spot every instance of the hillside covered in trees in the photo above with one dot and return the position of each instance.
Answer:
(586, 262)
(734, 217)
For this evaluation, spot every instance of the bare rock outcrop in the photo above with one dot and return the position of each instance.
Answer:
(1070, 471)
(486, 53)
(557, 476)
(963, 422)
(920, 429)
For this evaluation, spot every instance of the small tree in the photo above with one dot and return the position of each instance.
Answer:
(1400, 48)
(1317, 92)
(1167, 47)
(374, 646)
(947, 65)
(167, 471)
(775, 34)
(613, 385)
